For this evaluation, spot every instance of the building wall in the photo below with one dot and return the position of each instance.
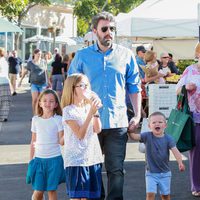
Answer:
(44, 16)
(40, 18)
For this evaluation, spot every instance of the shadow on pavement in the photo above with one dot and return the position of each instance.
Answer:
(13, 186)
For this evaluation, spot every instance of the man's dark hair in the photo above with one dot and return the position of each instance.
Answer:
(102, 16)
(170, 55)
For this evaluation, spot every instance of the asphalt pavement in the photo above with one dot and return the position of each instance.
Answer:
(15, 136)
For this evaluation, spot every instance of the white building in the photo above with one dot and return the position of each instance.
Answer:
(39, 21)
(40, 18)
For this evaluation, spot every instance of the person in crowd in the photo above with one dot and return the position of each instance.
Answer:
(140, 51)
(49, 59)
(8, 54)
(152, 73)
(3, 64)
(55, 51)
(38, 76)
(166, 65)
(82, 151)
(191, 79)
(57, 75)
(111, 69)
(4, 88)
(164, 61)
(172, 65)
(158, 143)
(14, 68)
(66, 63)
(46, 167)
(170, 57)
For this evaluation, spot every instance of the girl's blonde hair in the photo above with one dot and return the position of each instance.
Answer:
(57, 109)
(69, 87)
(149, 56)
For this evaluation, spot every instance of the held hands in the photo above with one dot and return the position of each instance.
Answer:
(133, 124)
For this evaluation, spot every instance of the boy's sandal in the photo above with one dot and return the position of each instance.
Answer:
(196, 194)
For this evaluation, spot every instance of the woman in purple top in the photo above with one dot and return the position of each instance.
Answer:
(191, 80)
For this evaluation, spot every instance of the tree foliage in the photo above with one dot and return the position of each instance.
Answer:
(16, 10)
(86, 9)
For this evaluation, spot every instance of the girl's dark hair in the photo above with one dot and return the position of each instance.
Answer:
(58, 58)
(57, 110)
(65, 58)
(35, 52)
(73, 54)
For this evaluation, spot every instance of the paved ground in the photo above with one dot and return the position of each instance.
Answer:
(14, 153)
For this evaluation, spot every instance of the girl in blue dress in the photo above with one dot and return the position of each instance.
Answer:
(46, 168)
(82, 152)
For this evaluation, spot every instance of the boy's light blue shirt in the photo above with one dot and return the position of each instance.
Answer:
(109, 73)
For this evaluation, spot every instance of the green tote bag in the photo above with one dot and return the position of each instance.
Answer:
(180, 124)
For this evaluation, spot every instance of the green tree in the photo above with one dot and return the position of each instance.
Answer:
(86, 9)
(16, 10)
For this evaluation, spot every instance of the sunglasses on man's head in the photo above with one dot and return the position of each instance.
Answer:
(105, 28)
(165, 57)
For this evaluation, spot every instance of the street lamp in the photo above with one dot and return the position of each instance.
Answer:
(54, 30)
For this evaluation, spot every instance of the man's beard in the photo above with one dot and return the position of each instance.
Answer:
(103, 41)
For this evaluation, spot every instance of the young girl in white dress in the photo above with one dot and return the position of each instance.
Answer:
(46, 168)
(82, 152)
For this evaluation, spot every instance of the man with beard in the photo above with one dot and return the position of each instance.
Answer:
(112, 70)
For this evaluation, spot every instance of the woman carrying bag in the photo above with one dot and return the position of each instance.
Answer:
(191, 80)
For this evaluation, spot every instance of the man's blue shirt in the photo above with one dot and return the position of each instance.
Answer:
(110, 73)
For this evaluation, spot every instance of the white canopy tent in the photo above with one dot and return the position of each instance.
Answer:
(43, 42)
(38, 38)
(71, 44)
(8, 27)
(65, 40)
(168, 20)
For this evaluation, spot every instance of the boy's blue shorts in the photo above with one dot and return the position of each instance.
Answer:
(160, 181)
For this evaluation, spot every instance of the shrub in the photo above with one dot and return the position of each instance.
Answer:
(182, 64)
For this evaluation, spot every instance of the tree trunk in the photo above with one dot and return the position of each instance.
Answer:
(16, 44)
